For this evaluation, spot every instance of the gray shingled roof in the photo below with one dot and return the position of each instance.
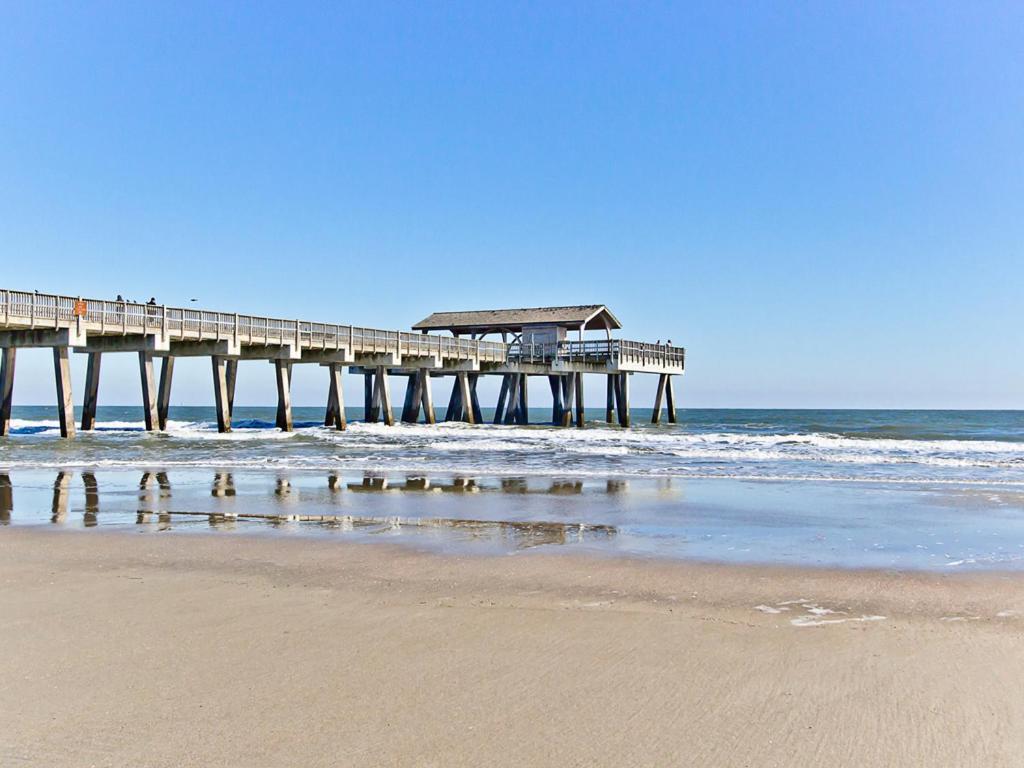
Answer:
(594, 315)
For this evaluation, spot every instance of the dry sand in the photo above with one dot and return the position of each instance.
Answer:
(127, 649)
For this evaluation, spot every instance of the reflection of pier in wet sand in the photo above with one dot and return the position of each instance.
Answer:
(155, 493)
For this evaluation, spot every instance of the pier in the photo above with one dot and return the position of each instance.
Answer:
(455, 347)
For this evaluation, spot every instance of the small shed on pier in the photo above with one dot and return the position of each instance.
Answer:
(538, 325)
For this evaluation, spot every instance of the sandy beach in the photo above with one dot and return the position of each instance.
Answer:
(231, 650)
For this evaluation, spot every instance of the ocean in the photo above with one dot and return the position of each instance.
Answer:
(849, 488)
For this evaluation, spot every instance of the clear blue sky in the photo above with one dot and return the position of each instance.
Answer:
(823, 202)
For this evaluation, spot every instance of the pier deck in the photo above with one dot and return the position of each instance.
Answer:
(97, 326)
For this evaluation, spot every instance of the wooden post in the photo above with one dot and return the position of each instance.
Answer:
(624, 399)
(499, 410)
(149, 411)
(524, 399)
(659, 396)
(163, 398)
(428, 399)
(671, 398)
(416, 381)
(580, 418)
(336, 399)
(62, 377)
(232, 377)
(466, 397)
(609, 409)
(220, 393)
(556, 399)
(474, 401)
(92, 388)
(6, 388)
(569, 391)
(383, 390)
(283, 369)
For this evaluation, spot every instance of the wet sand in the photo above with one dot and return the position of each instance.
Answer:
(229, 650)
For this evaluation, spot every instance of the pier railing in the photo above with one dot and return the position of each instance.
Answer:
(600, 351)
(100, 316)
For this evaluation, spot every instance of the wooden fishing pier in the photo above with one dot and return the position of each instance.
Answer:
(523, 343)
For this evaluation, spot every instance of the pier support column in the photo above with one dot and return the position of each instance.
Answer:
(623, 399)
(512, 406)
(580, 418)
(499, 409)
(427, 398)
(62, 377)
(149, 410)
(474, 401)
(568, 393)
(163, 397)
(411, 404)
(671, 399)
(659, 397)
(92, 389)
(371, 401)
(609, 408)
(556, 399)
(231, 371)
(454, 410)
(383, 395)
(283, 371)
(524, 399)
(335, 399)
(7, 356)
(220, 393)
(465, 397)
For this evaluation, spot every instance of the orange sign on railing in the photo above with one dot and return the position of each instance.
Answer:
(80, 308)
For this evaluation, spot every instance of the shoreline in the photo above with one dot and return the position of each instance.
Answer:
(248, 650)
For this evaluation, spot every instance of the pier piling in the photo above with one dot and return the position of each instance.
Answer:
(65, 405)
(92, 388)
(283, 375)
(220, 393)
(149, 398)
(163, 398)
(7, 358)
